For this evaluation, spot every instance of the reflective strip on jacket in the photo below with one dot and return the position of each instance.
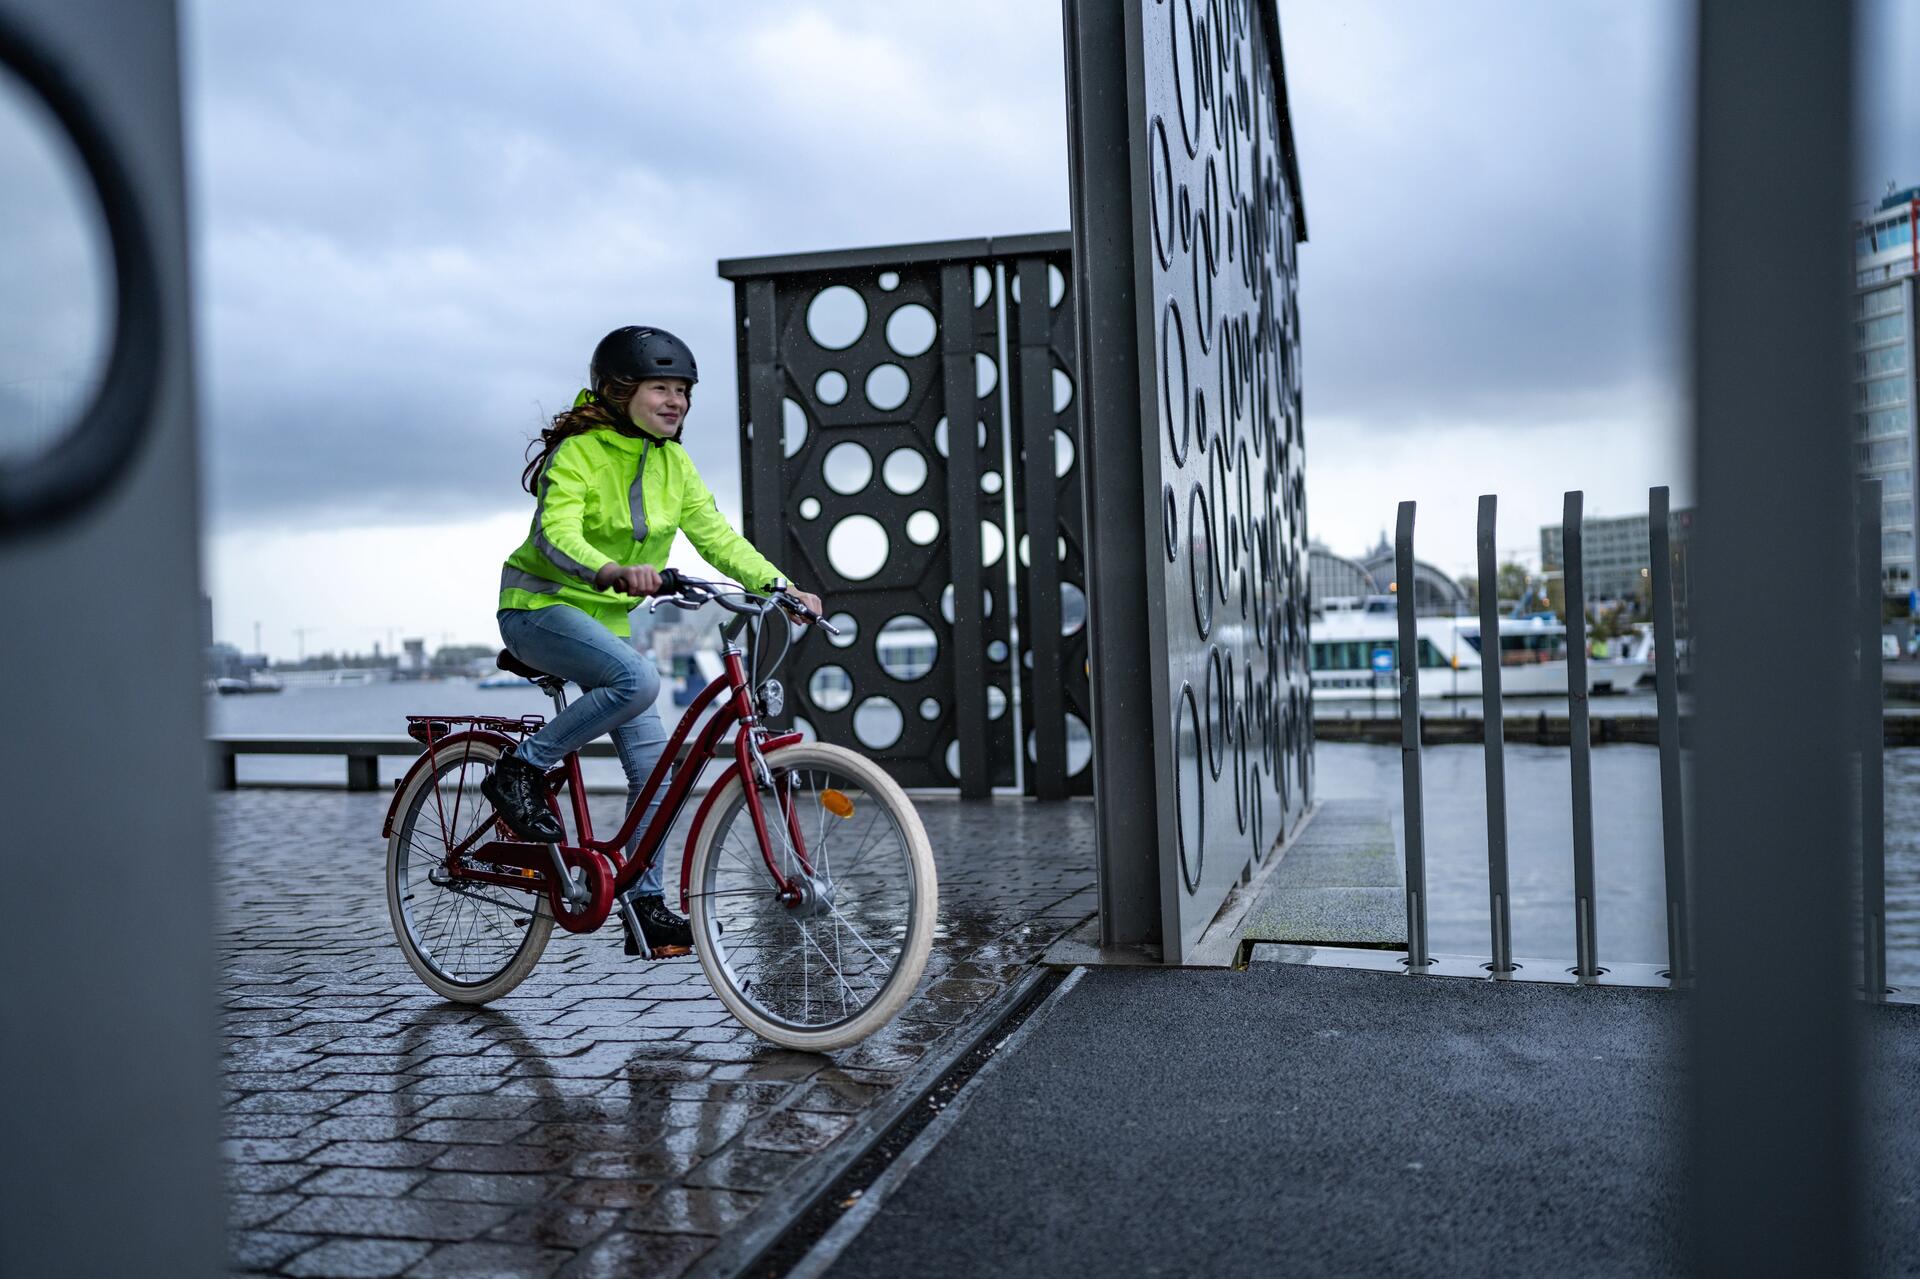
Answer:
(604, 496)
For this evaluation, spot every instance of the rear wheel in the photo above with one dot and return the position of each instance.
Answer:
(468, 942)
(835, 965)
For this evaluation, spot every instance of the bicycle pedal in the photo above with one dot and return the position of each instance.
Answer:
(672, 952)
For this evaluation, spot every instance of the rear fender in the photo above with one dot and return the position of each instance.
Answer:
(426, 759)
(706, 806)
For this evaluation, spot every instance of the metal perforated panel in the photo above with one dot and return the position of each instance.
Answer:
(1216, 490)
(860, 363)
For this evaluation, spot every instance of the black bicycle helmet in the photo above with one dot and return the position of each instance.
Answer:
(637, 352)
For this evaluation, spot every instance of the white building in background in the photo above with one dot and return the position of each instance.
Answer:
(1886, 276)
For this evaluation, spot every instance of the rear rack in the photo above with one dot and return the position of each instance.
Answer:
(428, 729)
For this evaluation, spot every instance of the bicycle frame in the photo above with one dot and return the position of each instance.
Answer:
(751, 745)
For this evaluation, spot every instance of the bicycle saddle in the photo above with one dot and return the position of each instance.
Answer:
(508, 662)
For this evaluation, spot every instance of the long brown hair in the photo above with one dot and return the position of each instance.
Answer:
(606, 405)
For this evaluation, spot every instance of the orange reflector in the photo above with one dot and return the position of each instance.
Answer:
(836, 803)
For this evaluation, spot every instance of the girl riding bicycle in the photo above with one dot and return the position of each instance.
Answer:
(612, 488)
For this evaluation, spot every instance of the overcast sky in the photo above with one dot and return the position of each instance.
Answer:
(412, 221)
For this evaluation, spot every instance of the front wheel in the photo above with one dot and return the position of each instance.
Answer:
(831, 964)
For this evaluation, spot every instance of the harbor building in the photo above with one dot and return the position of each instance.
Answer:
(1435, 594)
(1617, 553)
(1886, 275)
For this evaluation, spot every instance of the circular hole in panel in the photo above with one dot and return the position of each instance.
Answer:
(830, 688)
(1176, 396)
(849, 630)
(993, 543)
(1189, 789)
(830, 387)
(1170, 521)
(1073, 608)
(1160, 190)
(911, 330)
(986, 375)
(1216, 713)
(1079, 745)
(904, 471)
(946, 603)
(923, 527)
(1056, 286)
(1013, 287)
(940, 437)
(989, 481)
(809, 508)
(857, 547)
(982, 285)
(953, 759)
(836, 317)
(996, 701)
(1200, 559)
(57, 276)
(906, 647)
(1062, 391)
(929, 708)
(887, 387)
(793, 427)
(877, 723)
(1062, 454)
(847, 468)
(804, 727)
(997, 652)
(889, 280)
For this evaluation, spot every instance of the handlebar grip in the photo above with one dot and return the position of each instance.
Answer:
(669, 582)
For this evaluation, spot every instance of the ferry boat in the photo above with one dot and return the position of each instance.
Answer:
(1354, 641)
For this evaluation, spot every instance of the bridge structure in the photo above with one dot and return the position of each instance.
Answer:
(1136, 390)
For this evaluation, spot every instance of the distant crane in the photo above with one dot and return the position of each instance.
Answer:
(300, 634)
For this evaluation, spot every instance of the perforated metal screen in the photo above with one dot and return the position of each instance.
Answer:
(965, 632)
(1186, 218)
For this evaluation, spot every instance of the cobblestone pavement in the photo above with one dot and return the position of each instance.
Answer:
(607, 1118)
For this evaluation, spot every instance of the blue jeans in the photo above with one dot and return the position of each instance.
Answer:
(621, 686)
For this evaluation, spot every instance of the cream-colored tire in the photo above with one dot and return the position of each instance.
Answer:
(468, 945)
(779, 969)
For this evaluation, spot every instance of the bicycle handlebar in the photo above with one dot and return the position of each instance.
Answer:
(682, 591)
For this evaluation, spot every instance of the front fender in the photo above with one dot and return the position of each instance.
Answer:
(426, 759)
(706, 806)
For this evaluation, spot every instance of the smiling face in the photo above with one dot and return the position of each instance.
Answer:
(660, 405)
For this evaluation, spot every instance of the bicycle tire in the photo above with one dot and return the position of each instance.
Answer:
(711, 943)
(473, 759)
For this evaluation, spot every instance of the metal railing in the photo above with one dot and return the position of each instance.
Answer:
(1586, 967)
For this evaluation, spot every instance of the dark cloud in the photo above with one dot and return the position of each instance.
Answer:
(413, 222)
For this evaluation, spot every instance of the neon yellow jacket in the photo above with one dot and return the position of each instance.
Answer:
(605, 496)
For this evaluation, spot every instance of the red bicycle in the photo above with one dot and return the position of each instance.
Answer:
(807, 875)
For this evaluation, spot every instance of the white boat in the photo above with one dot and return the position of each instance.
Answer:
(1353, 645)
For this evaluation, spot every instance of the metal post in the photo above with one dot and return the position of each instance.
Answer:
(1873, 813)
(1123, 598)
(1494, 735)
(1666, 675)
(111, 1050)
(1040, 624)
(1586, 949)
(1775, 1058)
(963, 523)
(1407, 684)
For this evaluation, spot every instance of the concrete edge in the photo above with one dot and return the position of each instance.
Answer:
(1219, 946)
(739, 1248)
(827, 1249)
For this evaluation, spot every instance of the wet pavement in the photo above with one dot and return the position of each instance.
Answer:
(607, 1118)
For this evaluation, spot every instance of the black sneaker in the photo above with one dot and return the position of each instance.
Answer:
(665, 930)
(518, 792)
